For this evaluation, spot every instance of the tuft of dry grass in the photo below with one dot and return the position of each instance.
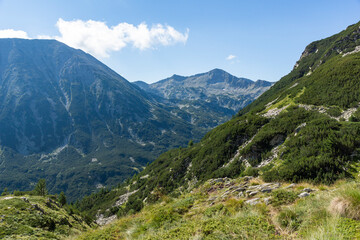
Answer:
(339, 206)
(347, 203)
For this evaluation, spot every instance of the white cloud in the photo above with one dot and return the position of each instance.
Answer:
(98, 39)
(11, 33)
(231, 57)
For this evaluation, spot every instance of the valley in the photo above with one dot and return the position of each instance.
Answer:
(86, 154)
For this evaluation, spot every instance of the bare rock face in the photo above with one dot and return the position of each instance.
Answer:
(101, 220)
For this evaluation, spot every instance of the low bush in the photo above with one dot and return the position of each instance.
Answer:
(289, 219)
(282, 197)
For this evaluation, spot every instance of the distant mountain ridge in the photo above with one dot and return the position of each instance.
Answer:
(216, 90)
(67, 117)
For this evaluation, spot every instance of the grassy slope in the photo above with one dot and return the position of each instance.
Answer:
(35, 217)
(213, 212)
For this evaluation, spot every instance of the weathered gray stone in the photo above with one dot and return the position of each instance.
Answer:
(266, 190)
(304, 194)
(307, 190)
(247, 178)
(267, 200)
(253, 201)
(291, 185)
(123, 198)
(253, 193)
(239, 189)
(101, 220)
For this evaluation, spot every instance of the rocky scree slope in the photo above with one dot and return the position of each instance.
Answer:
(208, 99)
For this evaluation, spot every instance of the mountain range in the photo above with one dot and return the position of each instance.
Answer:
(208, 99)
(67, 117)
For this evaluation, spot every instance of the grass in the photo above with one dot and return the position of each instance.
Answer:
(35, 217)
(208, 213)
(347, 204)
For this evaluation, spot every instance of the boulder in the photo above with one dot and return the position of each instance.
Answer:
(291, 186)
(253, 193)
(304, 194)
(308, 190)
(266, 190)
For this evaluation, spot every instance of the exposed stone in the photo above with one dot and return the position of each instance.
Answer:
(241, 194)
(267, 200)
(247, 178)
(123, 198)
(266, 190)
(253, 201)
(253, 193)
(7, 198)
(239, 189)
(298, 128)
(101, 220)
(290, 186)
(307, 190)
(304, 194)
(272, 113)
(357, 49)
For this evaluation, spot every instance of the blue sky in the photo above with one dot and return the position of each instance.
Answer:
(151, 40)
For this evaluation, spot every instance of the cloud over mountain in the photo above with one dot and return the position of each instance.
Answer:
(11, 33)
(98, 38)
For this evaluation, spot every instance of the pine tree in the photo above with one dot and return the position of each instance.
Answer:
(62, 199)
(5, 192)
(40, 188)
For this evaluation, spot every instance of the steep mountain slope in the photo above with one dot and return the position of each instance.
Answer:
(305, 128)
(208, 98)
(67, 117)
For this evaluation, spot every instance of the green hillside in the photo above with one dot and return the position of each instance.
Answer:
(305, 128)
(224, 209)
(302, 123)
(37, 217)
